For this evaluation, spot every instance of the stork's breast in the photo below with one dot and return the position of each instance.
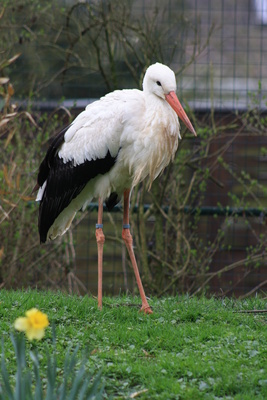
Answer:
(149, 154)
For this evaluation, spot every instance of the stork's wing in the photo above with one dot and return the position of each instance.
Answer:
(48, 160)
(64, 182)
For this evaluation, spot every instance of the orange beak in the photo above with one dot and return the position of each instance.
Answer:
(177, 107)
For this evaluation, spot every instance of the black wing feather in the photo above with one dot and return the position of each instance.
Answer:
(64, 182)
(48, 160)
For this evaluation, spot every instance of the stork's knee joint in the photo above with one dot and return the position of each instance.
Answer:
(127, 237)
(100, 237)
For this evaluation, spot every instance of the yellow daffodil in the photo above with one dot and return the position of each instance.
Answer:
(33, 324)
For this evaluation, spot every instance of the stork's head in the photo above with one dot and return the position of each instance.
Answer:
(160, 81)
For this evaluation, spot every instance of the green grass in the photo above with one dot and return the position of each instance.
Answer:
(189, 348)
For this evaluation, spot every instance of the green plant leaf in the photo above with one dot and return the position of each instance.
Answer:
(5, 376)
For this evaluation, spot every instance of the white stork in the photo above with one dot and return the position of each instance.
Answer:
(115, 143)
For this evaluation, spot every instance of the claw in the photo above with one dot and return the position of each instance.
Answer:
(146, 309)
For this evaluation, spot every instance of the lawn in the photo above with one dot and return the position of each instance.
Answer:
(189, 348)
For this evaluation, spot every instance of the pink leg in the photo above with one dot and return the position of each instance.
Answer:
(127, 237)
(100, 239)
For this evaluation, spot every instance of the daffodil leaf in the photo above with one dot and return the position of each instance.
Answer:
(77, 383)
(51, 376)
(5, 375)
(38, 386)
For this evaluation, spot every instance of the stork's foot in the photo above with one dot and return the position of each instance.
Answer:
(146, 309)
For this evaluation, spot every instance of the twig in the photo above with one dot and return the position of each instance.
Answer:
(254, 289)
(179, 273)
(251, 311)
(162, 262)
(255, 258)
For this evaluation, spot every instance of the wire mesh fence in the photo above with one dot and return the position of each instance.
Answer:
(230, 43)
(218, 49)
(233, 64)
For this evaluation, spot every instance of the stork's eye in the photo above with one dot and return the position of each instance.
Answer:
(158, 83)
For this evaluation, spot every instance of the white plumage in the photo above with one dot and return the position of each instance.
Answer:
(129, 135)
